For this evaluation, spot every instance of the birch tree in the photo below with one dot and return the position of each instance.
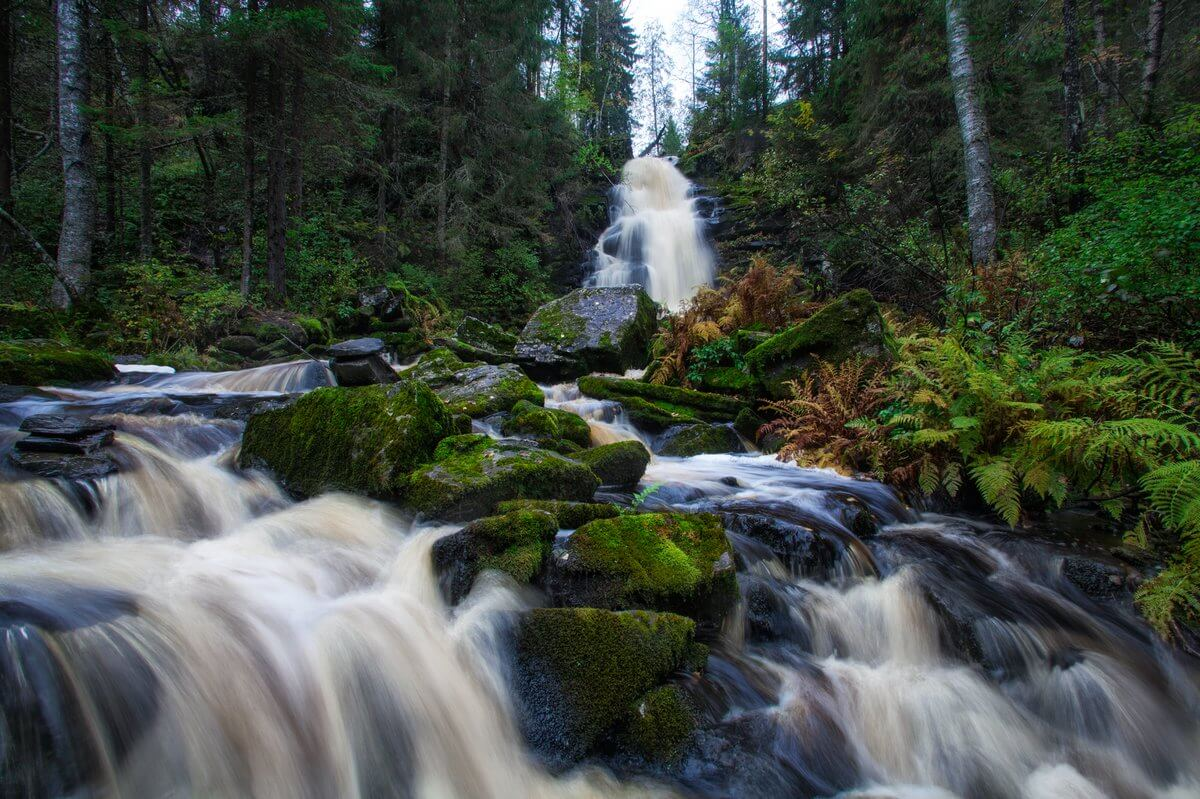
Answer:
(74, 138)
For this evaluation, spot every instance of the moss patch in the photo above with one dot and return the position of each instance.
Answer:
(662, 724)
(364, 440)
(698, 439)
(583, 670)
(729, 380)
(569, 515)
(658, 407)
(546, 424)
(38, 362)
(476, 389)
(516, 543)
(620, 464)
(849, 325)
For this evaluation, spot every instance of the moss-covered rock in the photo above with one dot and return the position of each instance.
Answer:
(570, 515)
(38, 362)
(619, 464)
(729, 380)
(476, 340)
(22, 321)
(476, 389)
(661, 561)
(589, 330)
(546, 424)
(364, 440)
(516, 543)
(684, 441)
(581, 671)
(849, 325)
(658, 407)
(748, 423)
(662, 724)
(471, 474)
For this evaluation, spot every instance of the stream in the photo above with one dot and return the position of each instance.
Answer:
(183, 629)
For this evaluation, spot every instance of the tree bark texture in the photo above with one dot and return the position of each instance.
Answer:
(74, 138)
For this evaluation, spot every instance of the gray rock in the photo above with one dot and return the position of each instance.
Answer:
(82, 445)
(589, 330)
(686, 440)
(367, 370)
(57, 465)
(356, 348)
(238, 345)
(60, 426)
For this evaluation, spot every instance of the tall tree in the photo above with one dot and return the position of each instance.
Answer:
(1153, 57)
(1071, 79)
(654, 72)
(145, 153)
(1104, 65)
(607, 54)
(277, 180)
(977, 151)
(6, 119)
(250, 125)
(77, 231)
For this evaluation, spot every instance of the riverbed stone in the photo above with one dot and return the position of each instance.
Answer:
(476, 389)
(570, 515)
(546, 425)
(364, 440)
(582, 671)
(618, 464)
(516, 543)
(589, 330)
(677, 562)
(684, 441)
(470, 474)
(656, 407)
(39, 362)
(851, 325)
(356, 348)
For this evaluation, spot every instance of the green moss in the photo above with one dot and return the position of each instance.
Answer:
(364, 440)
(318, 331)
(698, 439)
(470, 481)
(476, 389)
(569, 515)
(729, 380)
(546, 424)
(461, 444)
(19, 320)
(558, 325)
(747, 423)
(657, 406)
(849, 325)
(620, 464)
(477, 333)
(664, 561)
(437, 366)
(662, 724)
(38, 362)
(516, 543)
(405, 345)
(584, 670)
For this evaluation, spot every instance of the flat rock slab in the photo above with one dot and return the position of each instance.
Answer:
(55, 425)
(57, 465)
(356, 348)
(83, 445)
(367, 370)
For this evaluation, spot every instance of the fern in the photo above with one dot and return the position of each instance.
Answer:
(998, 483)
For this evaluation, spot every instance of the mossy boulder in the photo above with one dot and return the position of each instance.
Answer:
(658, 407)
(471, 474)
(38, 362)
(684, 441)
(477, 340)
(570, 515)
(679, 562)
(619, 464)
(476, 389)
(364, 440)
(589, 330)
(546, 425)
(582, 671)
(661, 725)
(848, 326)
(516, 543)
(729, 380)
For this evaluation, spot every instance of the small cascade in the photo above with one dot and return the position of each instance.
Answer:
(655, 236)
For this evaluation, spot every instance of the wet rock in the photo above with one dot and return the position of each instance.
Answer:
(863, 524)
(516, 543)
(475, 389)
(360, 362)
(79, 445)
(546, 425)
(470, 474)
(660, 561)
(38, 362)
(589, 330)
(1097, 580)
(656, 407)
(476, 340)
(61, 466)
(661, 725)
(684, 441)
(65, 447)
(569, 515)
(64, 427)
(363, 440)
(800, 549)
(581, 671)
(356, 348)
(619, 464)
(244, 346)
(848, 326)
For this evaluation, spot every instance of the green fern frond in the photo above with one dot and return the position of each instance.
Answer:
(997, 482)
(1174, 493)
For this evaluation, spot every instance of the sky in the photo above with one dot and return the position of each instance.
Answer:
(669, 14)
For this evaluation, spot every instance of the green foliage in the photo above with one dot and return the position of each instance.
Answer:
(504, 284)
(721, 352)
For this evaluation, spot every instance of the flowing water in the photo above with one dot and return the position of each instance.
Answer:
(655, 236)
(181, 629)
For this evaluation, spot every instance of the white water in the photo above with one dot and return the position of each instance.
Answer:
(654, 237)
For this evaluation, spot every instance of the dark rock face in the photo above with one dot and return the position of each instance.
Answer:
(244, 346)
(797, 547)
(620, 464)
(359, 362)
(66, 447)
(356, 348)
(515, 543)
(1097, 580)
(684, 441)
(590, 329)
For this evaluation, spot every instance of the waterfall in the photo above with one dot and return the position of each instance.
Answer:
(655, 237)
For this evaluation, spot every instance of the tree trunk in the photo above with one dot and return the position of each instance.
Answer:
(766, 74)
(110, 150)
(296, 145)
(1105, 77)
(249, 130)
(1072, 93)
(277, 213)
(6, 121)
(74, 140)
(145, 154)
(443, 192)
(977, 154)
(1154, 39)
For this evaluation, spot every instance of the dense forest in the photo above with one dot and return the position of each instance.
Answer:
(1017, 183)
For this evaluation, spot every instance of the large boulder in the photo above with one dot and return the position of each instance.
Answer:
(569, 515)
(589, 330)
(360, 362)
(38, 362)
(582, 671)
(660, 561)
(476, 340)
(658, 407)
(686, 440)
(547, 425)
(516, 543)
(618, 464)
(363, 440)
(470, 474)
(475, 389)
(849, 326)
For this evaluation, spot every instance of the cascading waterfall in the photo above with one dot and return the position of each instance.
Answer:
(182, 629)
(655, 237)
